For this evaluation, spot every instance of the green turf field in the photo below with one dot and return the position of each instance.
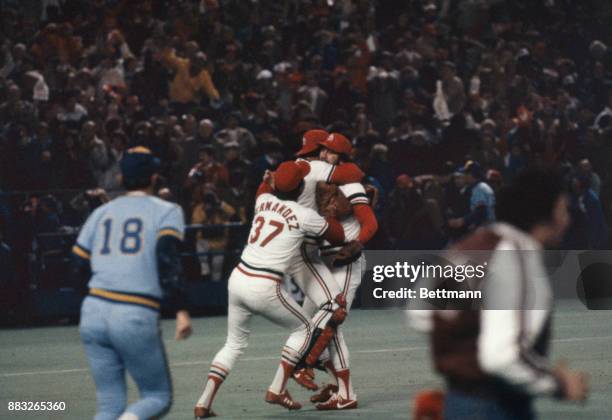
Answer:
(389, 364)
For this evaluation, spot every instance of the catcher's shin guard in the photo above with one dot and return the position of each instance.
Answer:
(326, 335)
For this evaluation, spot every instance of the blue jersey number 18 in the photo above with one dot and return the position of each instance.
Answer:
(131, 240)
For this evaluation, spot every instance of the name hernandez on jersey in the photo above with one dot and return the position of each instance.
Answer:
(282, 209)
(278, 230)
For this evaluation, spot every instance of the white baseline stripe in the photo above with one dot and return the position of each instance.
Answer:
(252, 359)
(206, 362)
(577, 339)
(42, 372)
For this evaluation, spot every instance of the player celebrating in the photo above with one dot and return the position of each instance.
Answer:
(306, 267)
(131, 244)
(346, 264)
(277, 232)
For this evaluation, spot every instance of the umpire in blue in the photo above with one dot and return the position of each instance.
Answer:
(130, 250)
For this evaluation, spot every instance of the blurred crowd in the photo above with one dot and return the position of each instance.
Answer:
(222, 90)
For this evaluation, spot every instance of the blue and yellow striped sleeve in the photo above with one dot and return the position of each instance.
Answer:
(172, 224)
(170, 231)
(81, 251)
(85, 241)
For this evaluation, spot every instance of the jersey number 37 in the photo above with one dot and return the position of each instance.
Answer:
(259, 224)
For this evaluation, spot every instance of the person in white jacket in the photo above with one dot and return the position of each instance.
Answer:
(495, 360)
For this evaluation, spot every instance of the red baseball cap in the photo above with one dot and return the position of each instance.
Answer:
(288, 176)
(338, 143)
(311, 141)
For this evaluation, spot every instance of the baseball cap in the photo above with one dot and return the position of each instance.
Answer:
(311, 141)
(473, 168)
(338, 143)
(139, 162)
(288, 176)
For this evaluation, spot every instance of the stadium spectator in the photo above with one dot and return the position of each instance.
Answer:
(383, 84)
(111, 177)
(482, 200)
(378, 166)
(24, 160)
(233, 133)
(414, 218)
(46, 215)
(208, 169)
(233, 162)
(453, 88)
(191, 78)
(589, 229)
(95, 150)
(457, 202)
(239, 195)
(15, 109)
(272, 156)
(585, 170)
(6, 263)
(83, 204)
(71, 165)
(209, 209)
(73, 113)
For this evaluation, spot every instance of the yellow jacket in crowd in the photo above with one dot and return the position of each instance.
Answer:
(185, 88)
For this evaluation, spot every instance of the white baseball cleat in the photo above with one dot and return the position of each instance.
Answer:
(336, 402)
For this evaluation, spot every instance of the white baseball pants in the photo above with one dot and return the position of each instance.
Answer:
(254, 292)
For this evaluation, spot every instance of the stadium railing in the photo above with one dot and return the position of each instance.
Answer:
(52, 294)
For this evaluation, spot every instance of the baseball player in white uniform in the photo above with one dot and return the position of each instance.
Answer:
(359, 228)
(279, 227)
(306, 267)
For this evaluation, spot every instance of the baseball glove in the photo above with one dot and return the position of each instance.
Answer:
(331, 202)
(348, 254)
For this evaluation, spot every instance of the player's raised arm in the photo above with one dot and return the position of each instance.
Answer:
(169, 240)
